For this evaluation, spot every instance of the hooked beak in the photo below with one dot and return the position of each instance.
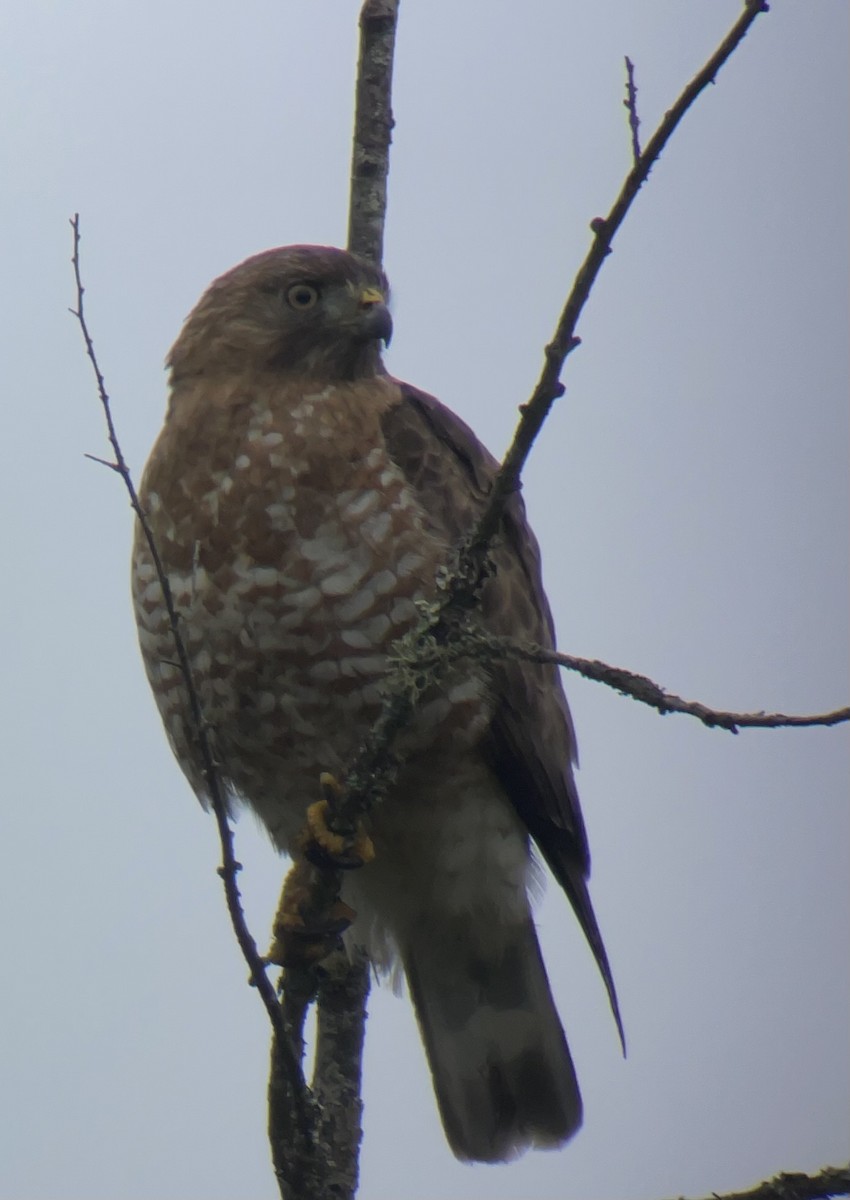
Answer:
(375, 322)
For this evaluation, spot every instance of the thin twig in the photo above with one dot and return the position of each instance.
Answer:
(230, 867)
(476, 644)
(548, 387)
(831, 1181)
(640, 688)
(374, 765)
(630, 103)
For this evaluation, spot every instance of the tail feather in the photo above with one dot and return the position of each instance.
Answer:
(502, 1070)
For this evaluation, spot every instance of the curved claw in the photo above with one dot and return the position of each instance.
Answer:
(324, 847)
(305, 928)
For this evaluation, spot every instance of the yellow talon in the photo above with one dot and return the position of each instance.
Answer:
(308, 923)
(331, 787)
(345, 852)
(311, 915)
(317, 825)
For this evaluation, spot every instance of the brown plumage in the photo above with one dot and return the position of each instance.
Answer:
(302, 501)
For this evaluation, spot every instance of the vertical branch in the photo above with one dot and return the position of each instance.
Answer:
(343, 988)
(293, 1151)
(341, 1029)
(373, 123)
(630, 104)
(286, 1065)
(339, 985)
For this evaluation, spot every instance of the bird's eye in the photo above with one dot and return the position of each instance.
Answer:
(302, 295)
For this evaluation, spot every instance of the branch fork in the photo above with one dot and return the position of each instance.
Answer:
(315, 1132)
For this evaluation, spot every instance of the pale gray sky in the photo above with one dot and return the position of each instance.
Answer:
(690, 494)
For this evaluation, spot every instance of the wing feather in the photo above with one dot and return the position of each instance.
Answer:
(530, 743)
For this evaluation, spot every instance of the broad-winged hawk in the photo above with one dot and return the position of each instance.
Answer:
(302, 500)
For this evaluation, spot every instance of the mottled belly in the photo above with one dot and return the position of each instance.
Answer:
(288, 636)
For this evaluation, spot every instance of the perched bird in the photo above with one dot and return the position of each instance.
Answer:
(302, 501)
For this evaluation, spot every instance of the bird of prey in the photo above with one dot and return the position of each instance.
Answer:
(302, 501)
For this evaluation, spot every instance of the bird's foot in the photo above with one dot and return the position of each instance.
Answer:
(321, 845)
(309, 920)
(311, 916)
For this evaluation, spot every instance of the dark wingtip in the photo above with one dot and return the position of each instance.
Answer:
(575, 887)
(594, 937)
(615, 1009)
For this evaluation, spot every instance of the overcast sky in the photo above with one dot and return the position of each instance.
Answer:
(690, 493)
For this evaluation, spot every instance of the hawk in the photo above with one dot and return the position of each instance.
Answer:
(302, 501)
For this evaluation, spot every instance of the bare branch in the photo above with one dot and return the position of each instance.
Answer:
(831, 1181)
(315, 1134)
(339, 985)
(548, 387)
(373, 123)
(341, 1030)
(229, 868)
(640, 688)
(374, 765)
(630, 103)
(475, 644)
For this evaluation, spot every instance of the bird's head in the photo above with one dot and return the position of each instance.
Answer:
(314, 310)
